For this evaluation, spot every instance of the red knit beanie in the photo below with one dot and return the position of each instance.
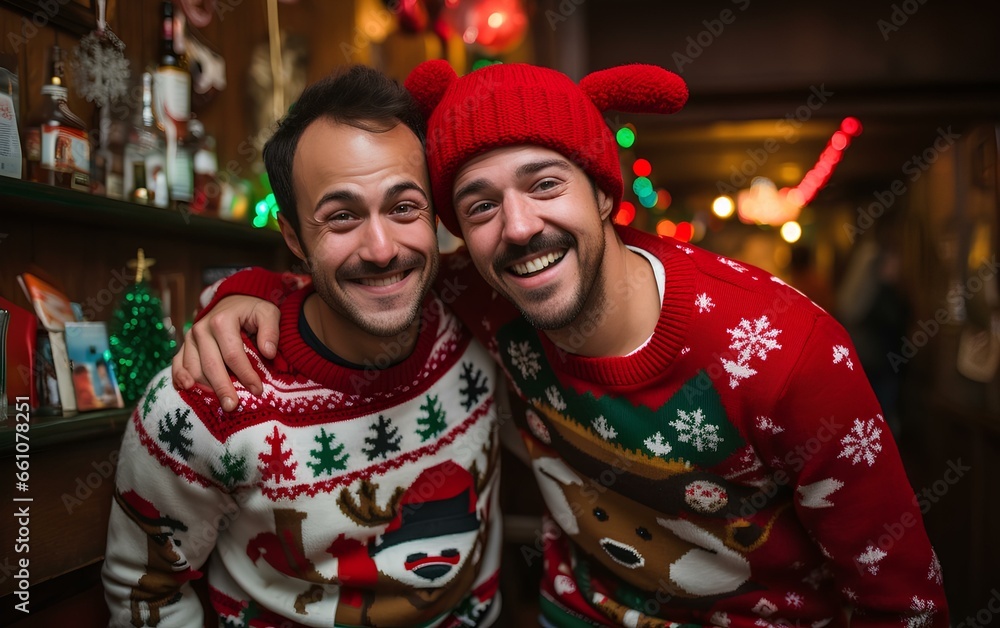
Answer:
(518, 104)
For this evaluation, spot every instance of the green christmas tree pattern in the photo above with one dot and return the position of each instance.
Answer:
(173, 433)
(433, 421)
(475, 385)
(151, 395)
(327, 459)
(384, 439)
(233, 471)
(275, 464)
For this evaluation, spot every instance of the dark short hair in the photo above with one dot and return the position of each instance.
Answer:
(358, 96)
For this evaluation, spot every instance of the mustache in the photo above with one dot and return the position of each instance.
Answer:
(367, 269)
(541, 242)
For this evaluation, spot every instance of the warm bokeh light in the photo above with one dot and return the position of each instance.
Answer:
(820, 173)
(851, 126)
(666, 228)
(663, 199)
(791, 231)
(642, 168)
(764, 204)
(790, 172)
(626, 213)
(684, 231)
(840, 140)
(723, 207)
(495, 20)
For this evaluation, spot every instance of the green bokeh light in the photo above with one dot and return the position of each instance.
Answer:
(625, 137)
(642, 186)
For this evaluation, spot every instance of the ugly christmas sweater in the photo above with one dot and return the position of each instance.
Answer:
(340, 497)
(734, 471)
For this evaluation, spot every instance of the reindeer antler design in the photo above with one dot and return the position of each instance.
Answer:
(366, 510)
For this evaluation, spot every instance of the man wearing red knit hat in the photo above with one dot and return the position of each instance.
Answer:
(708, 447)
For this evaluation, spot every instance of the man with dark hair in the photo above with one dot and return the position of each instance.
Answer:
(359, 486)
(707, 445)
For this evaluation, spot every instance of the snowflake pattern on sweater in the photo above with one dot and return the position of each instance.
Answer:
(339, 497)
(721, 474)
(709, 477)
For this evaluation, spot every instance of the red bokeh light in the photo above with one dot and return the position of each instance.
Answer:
(626, 213)
(642, 168)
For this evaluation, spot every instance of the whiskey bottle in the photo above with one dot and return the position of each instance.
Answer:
(172, 93)
(146, 145)
(55, 139)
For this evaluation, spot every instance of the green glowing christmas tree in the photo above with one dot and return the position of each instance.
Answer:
(141, 345)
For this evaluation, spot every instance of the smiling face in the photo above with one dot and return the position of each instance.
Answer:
(367, 231)
(535, 228)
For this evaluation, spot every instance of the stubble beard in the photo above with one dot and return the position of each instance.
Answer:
(588, 293)
(371, 323)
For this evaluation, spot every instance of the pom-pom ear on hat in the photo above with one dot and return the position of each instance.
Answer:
(635, 88)
(428, 82)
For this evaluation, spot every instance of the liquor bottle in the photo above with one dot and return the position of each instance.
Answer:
(172, 92)
(146, 145)
(139, 192)
(107, 159)
(206, 166)
(10, 115)
(55, 138)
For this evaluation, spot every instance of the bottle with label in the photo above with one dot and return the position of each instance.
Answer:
(140, 192)
(55, 139)
(10, 143)
(146, 145)
(172, 97)
(206, 166)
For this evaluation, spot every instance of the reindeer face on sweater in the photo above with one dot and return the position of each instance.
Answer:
(687, 554)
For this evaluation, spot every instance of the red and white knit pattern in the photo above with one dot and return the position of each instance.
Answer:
(338, 497)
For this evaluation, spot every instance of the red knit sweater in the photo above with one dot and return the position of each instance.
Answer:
(734, 471)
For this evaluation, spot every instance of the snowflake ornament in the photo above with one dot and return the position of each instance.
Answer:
(524, 359)
(555, 398)
(740, 268)
(794, 600)
(704, 303)
(101, 69)
(923, 613)
(766, 424)
(862, 443)
(657, 446)
(842, 354)
(692, 428)
(605, 431)
(871, 558)
(934, 572)
(750, 339)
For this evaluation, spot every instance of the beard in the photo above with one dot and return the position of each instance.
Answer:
(386, 317)
(535, 306)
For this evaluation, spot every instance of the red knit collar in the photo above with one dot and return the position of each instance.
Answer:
(304, 360)
(670, 332)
